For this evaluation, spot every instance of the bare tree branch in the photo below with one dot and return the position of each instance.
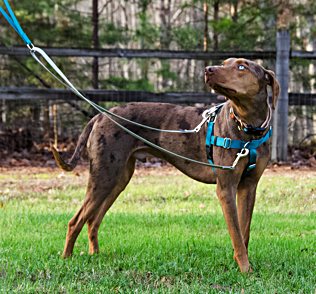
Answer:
(104, 6)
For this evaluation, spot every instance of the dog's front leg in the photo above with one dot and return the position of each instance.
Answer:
(226, 193)
(246, 193)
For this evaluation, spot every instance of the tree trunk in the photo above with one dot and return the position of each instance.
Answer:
(3, 112)
(234, 11)
(95, 41)
(216, 18)
(165, 36)
(205, 41)
(165, 24)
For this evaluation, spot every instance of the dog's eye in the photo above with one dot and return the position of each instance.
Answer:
(241, 67)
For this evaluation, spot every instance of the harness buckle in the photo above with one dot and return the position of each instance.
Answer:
(227, 143)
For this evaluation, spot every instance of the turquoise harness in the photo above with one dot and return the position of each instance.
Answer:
(228, 143)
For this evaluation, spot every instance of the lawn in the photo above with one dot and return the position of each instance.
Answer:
(164, 234)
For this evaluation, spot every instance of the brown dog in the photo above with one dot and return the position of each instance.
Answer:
(112, 152)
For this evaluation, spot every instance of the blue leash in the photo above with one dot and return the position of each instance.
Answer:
(12, 20)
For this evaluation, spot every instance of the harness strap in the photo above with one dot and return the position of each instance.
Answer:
(252, 159)
(209, 133)
(228, 143)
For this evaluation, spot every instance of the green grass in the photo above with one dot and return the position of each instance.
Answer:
(165, 234)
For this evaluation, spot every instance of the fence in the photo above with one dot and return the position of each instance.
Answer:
(30, 115)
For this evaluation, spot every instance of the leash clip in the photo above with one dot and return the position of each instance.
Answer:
(206, 116)
(31, 47)
(243, 153)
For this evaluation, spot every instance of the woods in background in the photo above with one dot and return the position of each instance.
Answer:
(196, 25)
(143, 24)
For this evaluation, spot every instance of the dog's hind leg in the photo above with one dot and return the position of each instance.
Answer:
(89, 207)
(95, 220)
(102, 191)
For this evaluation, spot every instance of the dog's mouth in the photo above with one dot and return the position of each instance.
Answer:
(217, 85)
(222, 90)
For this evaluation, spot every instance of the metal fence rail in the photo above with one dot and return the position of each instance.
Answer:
(160, 54)
(42, 113)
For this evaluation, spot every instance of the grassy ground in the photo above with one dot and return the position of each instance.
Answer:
(165, 234)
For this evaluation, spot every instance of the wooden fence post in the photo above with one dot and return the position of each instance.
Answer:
(3, 111)
(280, 121)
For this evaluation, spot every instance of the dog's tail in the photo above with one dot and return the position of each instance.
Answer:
(82, 142)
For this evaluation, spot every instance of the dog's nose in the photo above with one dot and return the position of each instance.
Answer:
(209, 69)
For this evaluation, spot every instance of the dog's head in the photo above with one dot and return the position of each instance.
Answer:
(240, 79)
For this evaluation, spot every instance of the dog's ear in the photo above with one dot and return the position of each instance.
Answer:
(272, 81)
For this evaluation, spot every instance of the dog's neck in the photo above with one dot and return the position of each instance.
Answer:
(254, 111)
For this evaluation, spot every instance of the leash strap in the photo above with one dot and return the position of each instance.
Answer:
(13, 22)
(64, 80)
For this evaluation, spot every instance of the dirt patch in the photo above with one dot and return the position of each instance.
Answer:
(82, 171)
(290, 171)
(21, 182)
(23, 173)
